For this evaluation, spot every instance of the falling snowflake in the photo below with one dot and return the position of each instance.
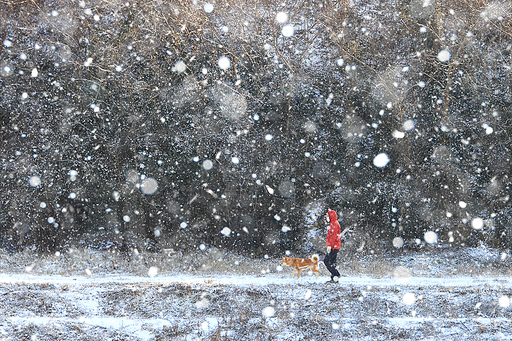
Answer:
(287, 30)
(153, 271)
(398, 242)
(430, 237)
(34, 181)
(224, 63)
(381, 160)
(226, 231)
(207, 165)
(444, 56)
(409, 298)
(477, 223)
(208, 7)
(268, 311)
(149, 186)
(281, 17)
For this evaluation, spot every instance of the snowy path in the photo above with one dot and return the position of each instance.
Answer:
(190, 307)
(263, 280)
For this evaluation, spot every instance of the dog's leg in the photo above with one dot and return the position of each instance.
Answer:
(315, 270)
(293, 272)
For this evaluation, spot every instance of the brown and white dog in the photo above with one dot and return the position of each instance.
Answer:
(300, 264)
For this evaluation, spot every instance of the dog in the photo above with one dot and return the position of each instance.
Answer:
(300, 264)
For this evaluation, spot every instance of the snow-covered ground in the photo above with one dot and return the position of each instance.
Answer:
(407, 300)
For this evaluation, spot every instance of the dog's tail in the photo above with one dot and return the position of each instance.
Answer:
(315, 258)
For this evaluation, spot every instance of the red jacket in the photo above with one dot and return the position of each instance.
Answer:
(334, 231)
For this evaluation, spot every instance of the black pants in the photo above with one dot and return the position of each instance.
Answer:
(330, 263)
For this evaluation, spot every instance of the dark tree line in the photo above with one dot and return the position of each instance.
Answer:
(156, 124)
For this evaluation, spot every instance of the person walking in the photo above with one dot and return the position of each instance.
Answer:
(333, 245)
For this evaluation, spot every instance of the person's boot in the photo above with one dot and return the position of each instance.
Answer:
(334, 280)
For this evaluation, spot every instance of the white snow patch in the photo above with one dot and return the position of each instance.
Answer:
(133, 327)
(210, 324)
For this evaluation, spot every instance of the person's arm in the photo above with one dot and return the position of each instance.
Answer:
(330, 233)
